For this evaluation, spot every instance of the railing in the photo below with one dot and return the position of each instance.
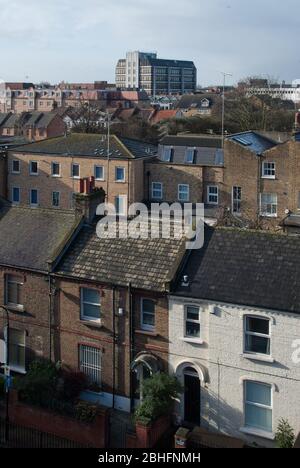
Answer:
(25, 437)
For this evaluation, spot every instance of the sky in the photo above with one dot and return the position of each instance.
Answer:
(81, 41)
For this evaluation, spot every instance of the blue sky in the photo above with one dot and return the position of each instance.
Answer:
(76, 40)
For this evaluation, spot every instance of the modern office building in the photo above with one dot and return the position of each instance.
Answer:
(143, 70)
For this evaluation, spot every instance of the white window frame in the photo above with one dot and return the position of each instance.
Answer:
(72, 170)
(120, 181)
(186, 319)
(124, 198)
(165, 149)
(20, 283)
(236, 200)
(265, 213)
(185, 200)
(266, 169)
(95, 172)
(34, 204)
(261, 335)
(30, 168)
(157, 190)
(187, 153)
(86, 318)
(209, 194)
(52, 172)
(258, 405)
(17, 369)
(145, 326)
(88, 368)
(12, 195)
(55, 206)
(12, 166)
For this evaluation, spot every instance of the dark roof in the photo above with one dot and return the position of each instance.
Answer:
(39, 119)
(192, 141)
(146, 264)
(90, 145)
(194, 101)
(156, 62)
(12, 121)
(3, 118)
(256, 269)
(31, 237)
(253, 141)
(208, 150)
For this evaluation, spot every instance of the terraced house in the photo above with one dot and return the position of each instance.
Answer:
(46, 174)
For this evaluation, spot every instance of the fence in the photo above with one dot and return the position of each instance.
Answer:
(25, 437)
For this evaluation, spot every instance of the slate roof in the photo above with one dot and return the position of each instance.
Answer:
(90, 145)
(253, 141)
(194, 101)
(248, 268)
(39, 119)
(12, 121)
(3, 117)
(156, 62)
(31, 237)
(208, 150)
(147, 264)
(192, 141)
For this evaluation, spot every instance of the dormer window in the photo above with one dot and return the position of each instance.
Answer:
(190, 155)
(167, 154)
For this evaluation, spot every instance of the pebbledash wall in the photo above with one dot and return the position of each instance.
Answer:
(222, 366)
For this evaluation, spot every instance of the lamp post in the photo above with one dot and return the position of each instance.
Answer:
(223, 106)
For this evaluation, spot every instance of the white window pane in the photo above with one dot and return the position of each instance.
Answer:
(148, 306)
(92, 311)
(91, 295)
(259, 418)
(193, 313)
(258, 393)
(258, 344)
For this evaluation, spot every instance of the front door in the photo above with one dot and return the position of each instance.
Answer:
(192, 398)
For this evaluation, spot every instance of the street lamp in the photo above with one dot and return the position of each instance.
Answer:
(223, 106)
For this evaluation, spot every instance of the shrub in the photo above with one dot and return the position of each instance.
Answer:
(73, 384)
(2, 388)
(85, 412)
(159, 393)
(285, 436)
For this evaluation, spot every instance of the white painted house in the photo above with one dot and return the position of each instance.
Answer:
(233, 329)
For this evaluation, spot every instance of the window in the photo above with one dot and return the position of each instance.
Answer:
(16, 195)
(190, 155)
(16, 349)
(167, 155)
(90, 305)
(16, 167)
(55, 169)
(236, 199)
(212, 195)
(75, 171)
(121, 205)
(34, 199)
(14, 286)
(147, 314)
(258, 406)
(99, 172)
(257, 335)
(55, 199)
(192, 322)
(268, 170)
(90, 363)
(183, 193)
(268, 204)
(120, 174)
(157, 190)
(33, 168)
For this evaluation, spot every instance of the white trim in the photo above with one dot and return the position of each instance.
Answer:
(260, 335)
(161, 190)
(55, 175)
(198, 322)
(12, 166)
(233, 200)
(186, 200)
(120, 181)
(85, 318)
(59, 198)
(72, 166)
(266, 214)
(258, 433)
(34, 205)
(209, 202)
(37, 167)
(12, 195)
(144, 326)
(258, 405)
(103, 172)
(266, 176)
(11, 304)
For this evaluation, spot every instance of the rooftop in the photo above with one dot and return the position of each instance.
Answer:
(29, 238)
(253, 141)
(250, 268)
(91, 145)
(146, 264)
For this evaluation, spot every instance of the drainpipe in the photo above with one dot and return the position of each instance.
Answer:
(259, 186)
(50, 316)
(131, 346)
(114, 348)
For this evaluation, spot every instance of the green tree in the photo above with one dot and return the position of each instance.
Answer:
(285, 436)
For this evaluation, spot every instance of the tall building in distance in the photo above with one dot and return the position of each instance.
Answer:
(145, 71)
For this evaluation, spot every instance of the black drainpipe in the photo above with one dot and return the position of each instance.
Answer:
(131, 346)
(114, 347)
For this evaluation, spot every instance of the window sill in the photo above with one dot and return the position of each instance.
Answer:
(263, 215)
(120, 181)
(258, 433)
(258, 357)
(18, 370)
(91, 323)
(15, 308)
(146, 333)
(269, 177)
(196, 341)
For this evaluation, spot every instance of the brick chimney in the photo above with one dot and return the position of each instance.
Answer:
(87, 201)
